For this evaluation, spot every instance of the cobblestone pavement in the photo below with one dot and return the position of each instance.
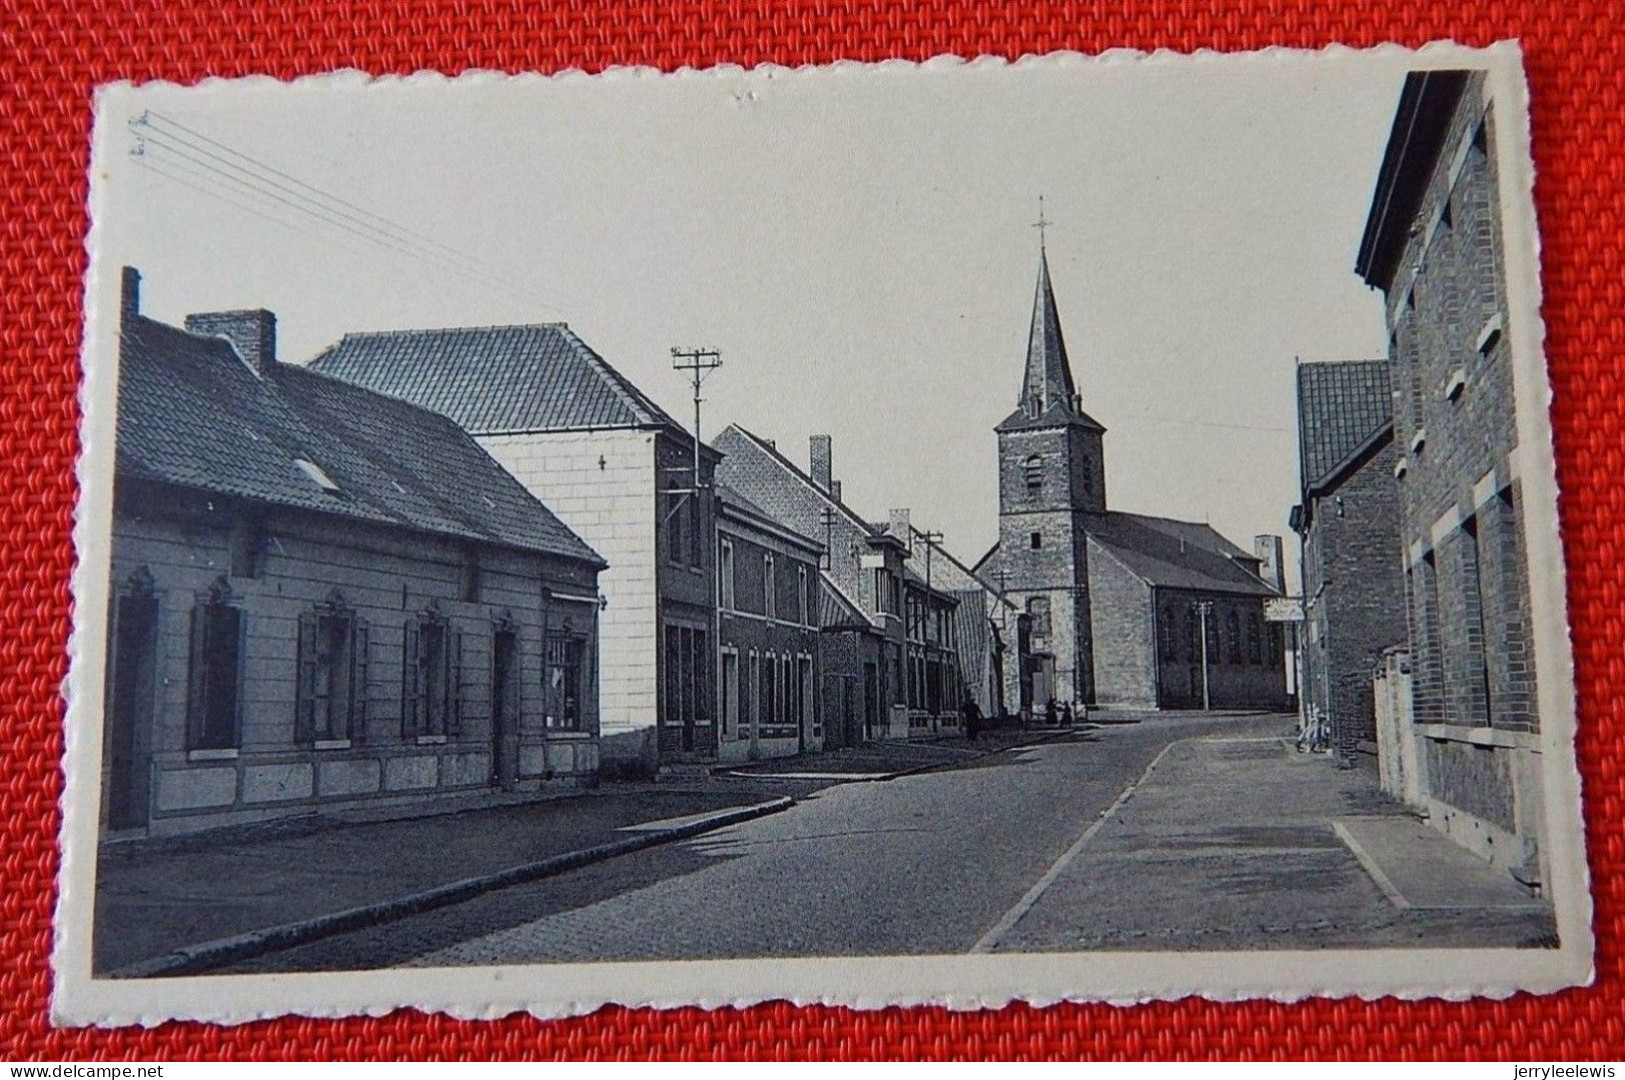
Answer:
(1228, 844)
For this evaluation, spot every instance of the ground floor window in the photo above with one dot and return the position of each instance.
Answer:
(561, 695)
(804, 701)
(730, 691)
(769, 711)
(331, 696)
(431, 697)
(215, 672)
(753, 707)
(688, 688)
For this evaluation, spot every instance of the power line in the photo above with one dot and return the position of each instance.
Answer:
(147, 143)
(482, 281)
(178, 176)
(149, 117)
(362, 224)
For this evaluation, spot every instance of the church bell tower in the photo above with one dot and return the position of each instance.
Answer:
(1051, 477)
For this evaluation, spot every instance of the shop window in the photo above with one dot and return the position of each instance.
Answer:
(561, 696)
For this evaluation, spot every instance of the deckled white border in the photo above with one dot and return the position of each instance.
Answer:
(958, 982)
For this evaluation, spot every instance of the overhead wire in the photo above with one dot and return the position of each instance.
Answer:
(364, 225)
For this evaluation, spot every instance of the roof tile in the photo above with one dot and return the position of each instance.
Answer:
(193, 414)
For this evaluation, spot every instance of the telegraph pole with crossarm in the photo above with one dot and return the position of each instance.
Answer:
(698, 363)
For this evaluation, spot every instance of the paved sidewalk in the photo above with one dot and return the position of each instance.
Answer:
(1242, 843)
(157, 896)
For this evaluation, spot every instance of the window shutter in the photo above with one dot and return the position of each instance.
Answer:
(360, 636)
(411, 680)
(454, 681)
(239, 674)
(196, 676)
(304, 723)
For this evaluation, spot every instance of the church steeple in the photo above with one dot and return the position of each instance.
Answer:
(1048, 381)
(1049, 397)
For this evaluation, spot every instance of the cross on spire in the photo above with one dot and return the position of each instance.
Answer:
(1042, 223)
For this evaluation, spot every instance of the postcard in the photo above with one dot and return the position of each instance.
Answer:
(1082, 528)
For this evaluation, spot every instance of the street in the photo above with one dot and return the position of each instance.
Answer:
(1231, 841)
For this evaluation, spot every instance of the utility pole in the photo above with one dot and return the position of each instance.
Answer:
(698, 363)
(827, 517)
(930, 539)
(1203, 609)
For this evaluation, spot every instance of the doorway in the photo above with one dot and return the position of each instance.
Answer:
(504, 708)
(871, 698)
(1043, 682)
(131, 685)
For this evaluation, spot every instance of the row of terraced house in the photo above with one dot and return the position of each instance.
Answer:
(437, 562)
(1413, 472)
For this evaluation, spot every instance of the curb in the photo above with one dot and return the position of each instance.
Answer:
(194, 959)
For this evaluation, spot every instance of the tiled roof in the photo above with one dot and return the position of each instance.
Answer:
(743, 509)
(836, 609)
(1167, 553)
(1176, 554)
(496, 379)
(1342, 407)
(193, 414)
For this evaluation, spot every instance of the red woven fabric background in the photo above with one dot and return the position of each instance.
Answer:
(54, 54)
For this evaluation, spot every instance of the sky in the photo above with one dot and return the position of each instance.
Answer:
(856, 241)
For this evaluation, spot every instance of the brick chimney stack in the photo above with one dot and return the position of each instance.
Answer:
(819, 453)
(835, 490)
(251, 332)
(1268, 548)
(899, 527)
(129, 297)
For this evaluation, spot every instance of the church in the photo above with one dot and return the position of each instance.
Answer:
(1119, 610)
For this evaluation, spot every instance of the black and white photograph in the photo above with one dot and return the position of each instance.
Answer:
(963, 532)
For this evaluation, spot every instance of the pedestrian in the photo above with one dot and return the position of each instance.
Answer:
(1052, 715)
(973, 718)
(1066, 714)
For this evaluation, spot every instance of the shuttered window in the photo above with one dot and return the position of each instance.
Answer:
(215, 675)
(331, 698)
(431, 690)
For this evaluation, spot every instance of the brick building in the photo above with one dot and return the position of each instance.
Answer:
(1116, 603)
(768, 608)
(618, 470)
(321, 595)
(1347, 520)
(1432, 244)
(934, 687)
(878, 665)
(985, 630)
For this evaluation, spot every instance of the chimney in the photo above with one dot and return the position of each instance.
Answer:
(899, 528)
(835, 490)
(129, 297)
(252, 333)
(818, 459)
(1267, 546)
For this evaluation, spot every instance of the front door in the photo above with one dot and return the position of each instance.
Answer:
(1043, 683)
(849, 713)
(504, 708)
(129, 714)
(871, 699)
